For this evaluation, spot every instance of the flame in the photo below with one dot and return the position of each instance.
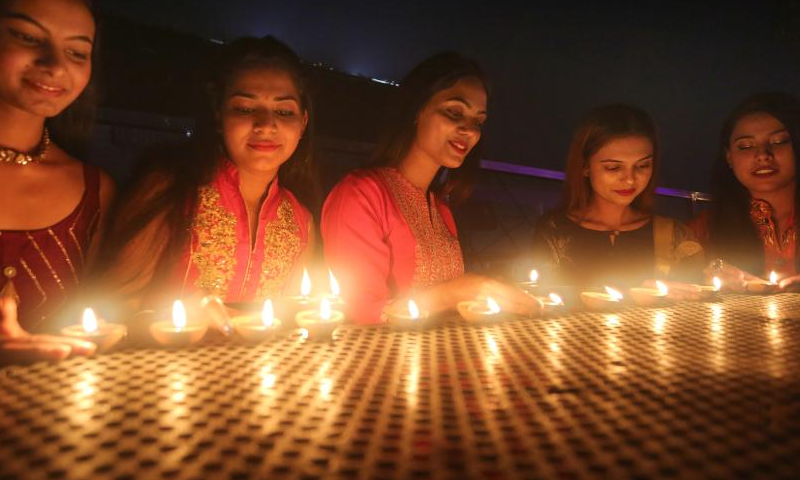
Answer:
(325, 309)
(615, 295)
(493, 306)
(717, 283)
(773, 277)
(305, 284)
(304, 333)
(662, 287)
(534, 276)
(413, 310)
(89, 321)
(334, 284)
(556, 299)
(267, 313)
(178, 315)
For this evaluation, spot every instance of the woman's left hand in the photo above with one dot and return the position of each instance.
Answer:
(790, 284)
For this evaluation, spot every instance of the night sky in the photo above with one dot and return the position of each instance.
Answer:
(686, 63)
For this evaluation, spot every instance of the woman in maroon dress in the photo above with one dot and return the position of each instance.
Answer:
(53, 203)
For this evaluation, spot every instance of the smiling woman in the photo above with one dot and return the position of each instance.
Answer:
(605, 232)
(221, 217)
(388, 231)
(53, 204)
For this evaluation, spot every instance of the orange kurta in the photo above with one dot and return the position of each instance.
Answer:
(384, 237)
(222, 259)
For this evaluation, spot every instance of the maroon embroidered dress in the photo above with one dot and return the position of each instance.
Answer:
(46, 264)
(222, 260)
(383, 236)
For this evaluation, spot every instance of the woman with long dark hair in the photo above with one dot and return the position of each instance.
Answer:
(750, 228)
(225, 217)
(605, 232)
(53, 203)
(388, 231)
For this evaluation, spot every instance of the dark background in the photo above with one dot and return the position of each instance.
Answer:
(687, 63)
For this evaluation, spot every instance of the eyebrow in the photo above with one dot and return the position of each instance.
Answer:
(780, 130)
(465, 102)
(649, 157)
(253, 96)
(28, 19)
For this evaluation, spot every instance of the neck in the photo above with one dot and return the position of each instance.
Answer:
(254, 184)
(609, 214)
(781, 200)
(20, 130)
(418, 168)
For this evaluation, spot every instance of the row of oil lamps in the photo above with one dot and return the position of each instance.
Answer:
(322, 322)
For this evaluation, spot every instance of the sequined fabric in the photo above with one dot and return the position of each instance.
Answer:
(214, 256)
(283, 247)
(437, 251)
(779, 250)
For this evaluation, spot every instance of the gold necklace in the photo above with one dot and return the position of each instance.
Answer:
(8, 155)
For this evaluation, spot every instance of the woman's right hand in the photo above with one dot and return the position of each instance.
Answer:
(511, 298)
(19, 346)
(732, 277)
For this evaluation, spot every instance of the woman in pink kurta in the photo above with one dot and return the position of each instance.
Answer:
(388, 232)
(221, 221)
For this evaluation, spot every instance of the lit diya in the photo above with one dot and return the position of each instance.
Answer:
(335, 295)
(712, 290)
(303, 301)
(103, 334)
(258, 327)
(530, 286)
(479, 311)
(553, 303)
(599, 301)
(410, 318)
(319, 324)
(177, 333)
(645, 297)
(762, 286)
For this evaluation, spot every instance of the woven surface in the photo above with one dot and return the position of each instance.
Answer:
(695, 390)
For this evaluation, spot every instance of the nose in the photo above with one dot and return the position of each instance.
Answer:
(468, 129)
(628, 176)
(264, 121)
(50, 61)
(763, 151)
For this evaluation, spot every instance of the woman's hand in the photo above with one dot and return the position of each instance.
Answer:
(511, 298)
(213, 311)
(790, 284)
(19, 346)
(733, 278)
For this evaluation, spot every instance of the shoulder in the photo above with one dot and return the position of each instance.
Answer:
(360, 186)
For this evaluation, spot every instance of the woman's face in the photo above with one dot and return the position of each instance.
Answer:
(261, 118)
(621, 169)
(45, 54)
(449, 125)
(760, 154)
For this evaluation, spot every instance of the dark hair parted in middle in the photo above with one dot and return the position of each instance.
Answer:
(602, 125)
(732, 235)
(168, 181)
(436, 73)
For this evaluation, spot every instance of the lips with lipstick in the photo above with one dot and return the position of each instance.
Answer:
(764, 171)
(627, 192)
(460, 146)
(264, 146)
(45, 88)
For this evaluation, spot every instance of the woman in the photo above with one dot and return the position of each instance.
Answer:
(53, 204)
(388, 231)
(605, 233)
(223, 220)
(750, 229)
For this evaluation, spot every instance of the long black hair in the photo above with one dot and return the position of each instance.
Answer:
(434, 74)
(732, 235)
(167, 183)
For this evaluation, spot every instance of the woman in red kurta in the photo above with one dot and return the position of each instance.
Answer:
(750, 228)
(388, 232)
(222, 220)
(53, 204)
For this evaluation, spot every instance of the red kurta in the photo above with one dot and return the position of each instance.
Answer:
(382, 238)
(221, 259)
(46, 265)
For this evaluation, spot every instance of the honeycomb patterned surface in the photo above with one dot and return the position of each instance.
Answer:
(690, 390)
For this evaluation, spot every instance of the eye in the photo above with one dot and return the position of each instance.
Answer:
(454, 114)
(78, 56)
(782, 140)
(644, 166)
(612, 168)
(285, 113)
(243, 110)
(744, 146)
(24, 38)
